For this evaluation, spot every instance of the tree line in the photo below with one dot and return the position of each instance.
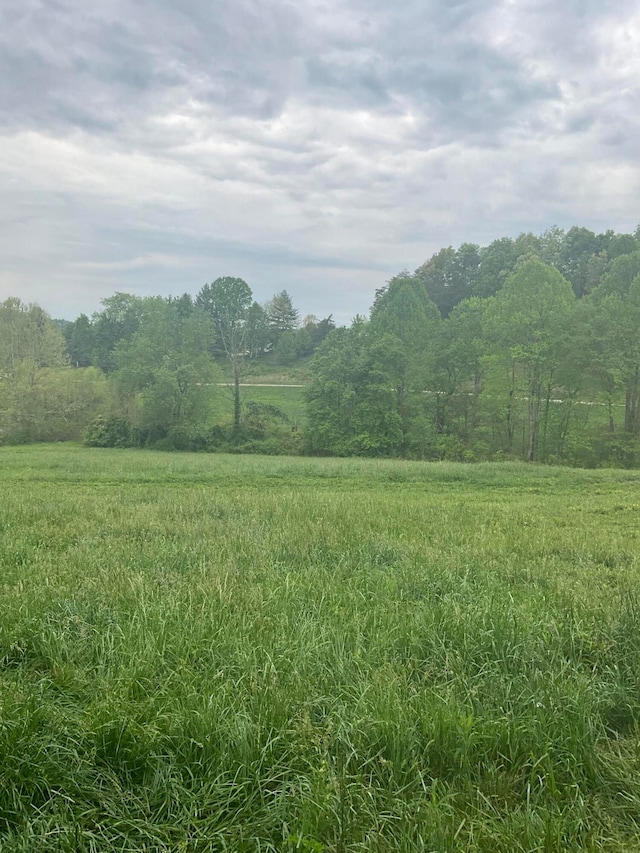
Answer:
(526, 348)
(146, 371)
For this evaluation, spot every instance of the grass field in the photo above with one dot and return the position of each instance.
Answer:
(290, 399)
(203, 653)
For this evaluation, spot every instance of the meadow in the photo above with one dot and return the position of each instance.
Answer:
(289, 398)
(210, 653)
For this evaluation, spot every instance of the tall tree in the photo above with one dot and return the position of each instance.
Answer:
(29, 339)
(32, 360)
(258, 333)
(497, 262)
(526, 321)
(450, 276)
(616, 322)
(118, 320)
(166, 373)
(404, 315)
(281, 316)
(318, 329)
(227, 301)
(575, 262)
(80, 337)
(351, 402)
(619, 276)
(459, 346)
(617, 245)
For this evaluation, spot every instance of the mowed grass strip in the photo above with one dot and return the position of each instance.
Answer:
(202, 653)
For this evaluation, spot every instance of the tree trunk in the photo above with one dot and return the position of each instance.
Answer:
(236, 403)
(510, 414)
(632, 404)
(440, 415)
(545, 423)
(534, 420)
(564, 429)
(612, 425)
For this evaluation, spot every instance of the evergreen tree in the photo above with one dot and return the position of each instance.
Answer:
(281, 316)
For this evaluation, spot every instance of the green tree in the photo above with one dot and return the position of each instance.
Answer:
(450, 276)
(81, 341)
(318, 329)
(41, 397)
(615, 342)
(282, 317)
(404, 321)
(303, 342)
(526, 321)
(31, 346)
(619, 276)
(617, 245)
(258, 333)
(404, 309)
(29, 339)
(287, 348)
(579, 247)
(497, 262)
(351, 401)
(459, 347)
(183, 304)
(119, 319)
(228, 301)
(165, 373)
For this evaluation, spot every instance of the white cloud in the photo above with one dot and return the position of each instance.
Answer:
(319, 148)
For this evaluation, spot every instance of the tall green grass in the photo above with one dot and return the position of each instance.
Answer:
(202, 653)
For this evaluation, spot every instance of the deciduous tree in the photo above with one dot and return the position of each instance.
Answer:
(526, 321)
(227, 301)
(166, 373)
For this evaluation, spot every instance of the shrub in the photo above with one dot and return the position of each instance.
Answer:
(108, 432)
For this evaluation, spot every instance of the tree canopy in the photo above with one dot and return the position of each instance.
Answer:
(526, 348)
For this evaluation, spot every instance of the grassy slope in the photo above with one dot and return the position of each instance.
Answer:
(290, 400)
(242, 653)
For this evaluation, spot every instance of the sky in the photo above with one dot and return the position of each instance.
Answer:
(316, 146)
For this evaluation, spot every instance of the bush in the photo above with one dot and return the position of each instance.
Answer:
(262, 420)
(108, 432)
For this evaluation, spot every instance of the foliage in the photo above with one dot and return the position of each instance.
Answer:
(29, 340)
(527, 321)
(353, 401)
(282, 317)
(258, 335)
(267, 429)
(448, 277)
(118, 321)
(287, 348)
(165, 374)
(79, 337)
(108, 432)
(228, 302)
(317, 329)
(618, 310)
(525, 348)
(41, 398)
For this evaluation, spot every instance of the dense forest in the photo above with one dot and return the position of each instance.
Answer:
(528, 348)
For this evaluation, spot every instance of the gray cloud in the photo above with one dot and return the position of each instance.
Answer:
(321, 146)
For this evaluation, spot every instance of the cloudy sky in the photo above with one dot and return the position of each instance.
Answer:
(318, 146)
